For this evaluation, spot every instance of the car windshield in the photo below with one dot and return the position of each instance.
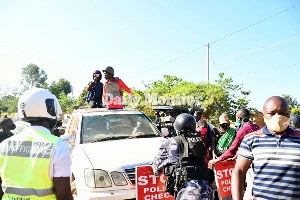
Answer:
(116, 126)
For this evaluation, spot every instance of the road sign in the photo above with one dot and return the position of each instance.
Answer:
(149, 186)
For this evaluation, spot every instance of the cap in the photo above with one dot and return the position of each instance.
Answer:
(223, 119)
(109, 69)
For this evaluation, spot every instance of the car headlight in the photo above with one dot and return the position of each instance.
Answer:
(97, 178)
(118, 178)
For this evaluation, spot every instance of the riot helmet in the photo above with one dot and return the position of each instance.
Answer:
(38, 103)
(184, 123)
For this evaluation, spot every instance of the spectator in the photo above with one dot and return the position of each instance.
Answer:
(6, 126)
(35, 164)
(245, 127)
(274, 152)
(113, 89)
(295, 121)
(95, 91)
(226, 137)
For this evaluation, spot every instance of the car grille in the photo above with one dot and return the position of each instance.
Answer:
(131, 175)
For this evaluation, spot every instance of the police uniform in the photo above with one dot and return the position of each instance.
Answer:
(169, 154)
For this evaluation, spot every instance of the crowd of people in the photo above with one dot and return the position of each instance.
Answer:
(267, 158)
(270, 154)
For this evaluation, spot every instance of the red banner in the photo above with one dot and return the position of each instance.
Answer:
(149, 186)
(223, 172)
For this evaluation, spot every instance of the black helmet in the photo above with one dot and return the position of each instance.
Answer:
(185, 122)
(295, 120)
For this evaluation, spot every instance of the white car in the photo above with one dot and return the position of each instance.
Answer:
(106, 147)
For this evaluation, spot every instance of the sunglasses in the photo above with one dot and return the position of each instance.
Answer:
(97, 75)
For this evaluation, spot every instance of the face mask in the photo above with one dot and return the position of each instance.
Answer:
(277, 123)
(238, 123)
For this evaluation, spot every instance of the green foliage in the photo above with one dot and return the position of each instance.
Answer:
(66, 103)
(32, 76)
(295, 111)
(293, 103)
(62, 86)
(9, 104)
(223, 96)
(81, 101)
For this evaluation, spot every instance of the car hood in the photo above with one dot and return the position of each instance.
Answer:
(117, 154)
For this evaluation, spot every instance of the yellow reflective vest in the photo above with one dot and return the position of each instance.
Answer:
(24, 165)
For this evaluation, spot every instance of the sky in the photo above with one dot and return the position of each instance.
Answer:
(257, 43)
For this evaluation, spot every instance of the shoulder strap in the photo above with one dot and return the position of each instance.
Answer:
(182, 145)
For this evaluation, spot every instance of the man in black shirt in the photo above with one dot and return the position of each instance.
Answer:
(95, 91)
(6, 126)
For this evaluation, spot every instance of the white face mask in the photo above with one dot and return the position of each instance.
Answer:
(277, 123)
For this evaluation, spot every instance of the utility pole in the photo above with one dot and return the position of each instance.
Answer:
(207, 63)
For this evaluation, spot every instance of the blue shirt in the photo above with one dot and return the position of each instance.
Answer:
(276, 163)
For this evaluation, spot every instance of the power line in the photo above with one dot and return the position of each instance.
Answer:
(259, 48)
(218, 40)
(247, 27)
(177, 58)
(283, 66)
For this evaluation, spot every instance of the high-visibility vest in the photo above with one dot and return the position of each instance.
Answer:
(24, 165)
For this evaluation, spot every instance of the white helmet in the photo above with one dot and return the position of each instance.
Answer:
(38, 103)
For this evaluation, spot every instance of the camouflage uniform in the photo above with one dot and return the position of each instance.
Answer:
(191, 190)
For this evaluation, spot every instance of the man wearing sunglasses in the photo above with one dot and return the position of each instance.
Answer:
(95, 91)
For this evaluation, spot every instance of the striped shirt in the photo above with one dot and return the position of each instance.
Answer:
(276, 163)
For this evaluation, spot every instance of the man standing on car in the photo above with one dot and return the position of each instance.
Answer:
(113, 89)
(95, 91)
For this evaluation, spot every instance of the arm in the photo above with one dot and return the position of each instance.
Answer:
(238, 177)
(167, 154)
(90, 85)
(124, 86)
(62, 171)
(62, 188)
(231, 151)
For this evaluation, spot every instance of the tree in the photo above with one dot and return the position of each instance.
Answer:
(62, 86)
(293, 103)
(221, 96)
(32, 76)
(66, 103)
(9, 104)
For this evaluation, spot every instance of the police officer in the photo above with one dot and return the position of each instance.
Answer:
(183, 156)
(35, 164)
(295, 121)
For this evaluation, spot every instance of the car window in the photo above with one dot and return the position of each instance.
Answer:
(116, 126)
